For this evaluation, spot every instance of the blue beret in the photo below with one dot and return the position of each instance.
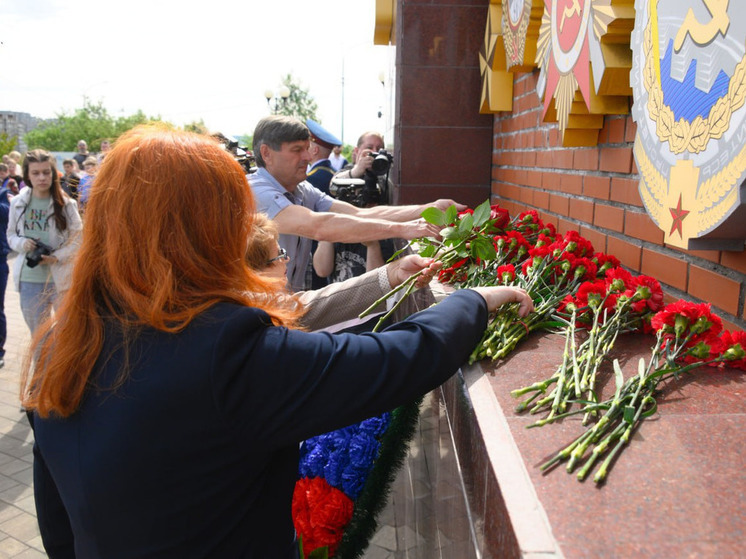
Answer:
(321, 135)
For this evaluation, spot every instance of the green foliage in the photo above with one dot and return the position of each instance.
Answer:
(300, 103)
(91, 123)
(197, 126)
(7, 143)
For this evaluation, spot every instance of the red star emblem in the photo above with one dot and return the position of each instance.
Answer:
(678, 216)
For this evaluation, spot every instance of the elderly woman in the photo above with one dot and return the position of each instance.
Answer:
(337, 302)
(172, 393)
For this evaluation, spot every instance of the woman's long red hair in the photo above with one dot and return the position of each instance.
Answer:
(165, 236)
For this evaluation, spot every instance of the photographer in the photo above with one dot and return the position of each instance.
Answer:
(362, 160)
(42, 215)
(303, 213)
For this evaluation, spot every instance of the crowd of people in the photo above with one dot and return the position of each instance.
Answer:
(174, 371)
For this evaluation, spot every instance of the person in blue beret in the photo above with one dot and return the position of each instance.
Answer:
(320, 171)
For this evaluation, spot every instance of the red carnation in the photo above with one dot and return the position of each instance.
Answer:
(734, 349)
(320, 514)
(505, 274)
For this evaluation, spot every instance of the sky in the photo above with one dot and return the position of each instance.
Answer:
(189, 60)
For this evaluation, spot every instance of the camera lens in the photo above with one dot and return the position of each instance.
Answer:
(380, 165)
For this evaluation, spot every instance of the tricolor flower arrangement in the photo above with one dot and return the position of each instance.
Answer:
(583, 295)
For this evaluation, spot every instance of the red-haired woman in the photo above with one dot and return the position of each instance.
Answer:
(170, 400)
(42, 214)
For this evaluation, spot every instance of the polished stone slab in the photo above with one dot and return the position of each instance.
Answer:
(678, 490)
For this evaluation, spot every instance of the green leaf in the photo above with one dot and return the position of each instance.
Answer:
(466, 223)
(428, 251)
(449, 233)
(319, 553)
(483, 249)
(451, 215)
(482, 213)
(434, 216)
(629, 414)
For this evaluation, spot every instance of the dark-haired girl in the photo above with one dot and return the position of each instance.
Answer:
(42, 213)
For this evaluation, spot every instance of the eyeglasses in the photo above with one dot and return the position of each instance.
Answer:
(283, 255)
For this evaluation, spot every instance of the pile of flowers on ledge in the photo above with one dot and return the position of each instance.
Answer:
(578, 293)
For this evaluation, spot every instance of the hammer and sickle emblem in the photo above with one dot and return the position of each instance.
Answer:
(703, 33)
(571, 11)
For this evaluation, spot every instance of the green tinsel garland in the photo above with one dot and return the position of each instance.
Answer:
(373, 498)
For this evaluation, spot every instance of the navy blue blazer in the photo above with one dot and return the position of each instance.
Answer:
(196, 454)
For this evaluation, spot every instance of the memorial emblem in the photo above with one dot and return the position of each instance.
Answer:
(689, 82)
(497, 83)
(521, 21)
(573, 58)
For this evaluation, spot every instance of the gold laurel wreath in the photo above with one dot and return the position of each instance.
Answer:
(682, 135)
(657, 185)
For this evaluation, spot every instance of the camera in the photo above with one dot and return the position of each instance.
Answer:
(358, 192)
(381, 162)
(34, 257)
(243, 155)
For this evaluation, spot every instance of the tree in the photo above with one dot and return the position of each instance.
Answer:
(300, 103)
(91, 123)
(7, 143)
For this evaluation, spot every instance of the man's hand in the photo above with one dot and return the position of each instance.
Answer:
(418, 228)
(400, 270)
(363, 162)
(444, 203)
(496, 297)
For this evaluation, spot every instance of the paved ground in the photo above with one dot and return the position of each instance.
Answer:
(19, 534)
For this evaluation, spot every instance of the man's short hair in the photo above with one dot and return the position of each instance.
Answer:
(68, 162)
(273, 131)
(370, 133)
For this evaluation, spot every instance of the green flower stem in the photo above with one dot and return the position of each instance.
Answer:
(407, 293)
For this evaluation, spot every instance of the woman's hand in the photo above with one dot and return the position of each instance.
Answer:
(496, 297)
(402, 269)
(29, 245)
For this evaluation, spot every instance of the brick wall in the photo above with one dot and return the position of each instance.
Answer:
(594, 191)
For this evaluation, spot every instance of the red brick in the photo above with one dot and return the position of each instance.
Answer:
(541, 200)
(640, 226)
(666, 269)
(540, 138)
(548, 218)
(631, 131)
(711, 255)
(616, 131)
(629, 254)
(559, 204)
(553, 137)
(582, 210)
(603, 134)
(544, 159)
(625, 191)
(596, 187)
(533, 178)
(734, 260)
(563, 226)
(616, 160)
(562, 159)
(571, 184)
(528, 159)
(609, 217)
(551, 181)
(597, 239)
(714, 288)
(586, 159)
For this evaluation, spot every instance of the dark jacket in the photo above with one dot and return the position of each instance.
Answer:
(196, 455)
